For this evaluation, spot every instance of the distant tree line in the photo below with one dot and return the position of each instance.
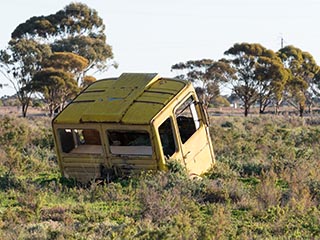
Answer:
(257, 75)
(53, 55)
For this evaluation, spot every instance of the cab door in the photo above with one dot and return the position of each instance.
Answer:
(167, 144)
(194, 136)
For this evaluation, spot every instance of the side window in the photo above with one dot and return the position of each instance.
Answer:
(187, 119)
(129, 142)
(83, 141)
(167, 138)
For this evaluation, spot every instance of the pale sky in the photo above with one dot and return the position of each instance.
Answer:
(152, 35)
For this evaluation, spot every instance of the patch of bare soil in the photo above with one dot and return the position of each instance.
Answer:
(16, 111)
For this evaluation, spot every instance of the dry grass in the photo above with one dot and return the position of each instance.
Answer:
(265, 185)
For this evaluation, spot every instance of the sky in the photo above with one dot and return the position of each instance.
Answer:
(152, 35)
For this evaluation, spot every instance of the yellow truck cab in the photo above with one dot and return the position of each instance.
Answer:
(130, 124)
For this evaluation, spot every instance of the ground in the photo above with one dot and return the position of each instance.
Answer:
(16, 111)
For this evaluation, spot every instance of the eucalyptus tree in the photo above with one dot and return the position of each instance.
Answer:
(69, 62)
(207, 76)
(218, 74)
(57, 80)
(304, 81)
(272, 78)
(77, 29)
(259, 74)
(87, 80)
(56, 86)
(94, 49)
(19, 62)
(195, 72)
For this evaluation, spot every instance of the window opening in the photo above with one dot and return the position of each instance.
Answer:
(187, 119)
(167, 138)
(82, 141)
(129, 142)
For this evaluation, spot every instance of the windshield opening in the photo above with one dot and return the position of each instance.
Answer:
(82, 141)
(129, 142)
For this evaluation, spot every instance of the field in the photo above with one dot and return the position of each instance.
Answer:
(265, 185)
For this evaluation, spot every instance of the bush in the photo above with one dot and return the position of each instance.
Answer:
(264, 185)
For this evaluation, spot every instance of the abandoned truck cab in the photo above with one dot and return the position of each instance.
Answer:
(130, 124)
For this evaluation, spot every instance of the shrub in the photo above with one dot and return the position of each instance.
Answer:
(265, 185)
(267, 192)
(13, 132)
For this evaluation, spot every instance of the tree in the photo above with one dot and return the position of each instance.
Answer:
(74, 20)
(56, 85)
(303, 84)
(18, 63)
(87, 80)
(77, 29)
(218, 74)
(93, 49)
(272, 78)
(195, 71)
(57, 80)
(67, 61)
(258, 74)
(207, 75)
(221, 102)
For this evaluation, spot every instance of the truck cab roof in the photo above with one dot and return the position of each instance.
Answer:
(132, 98)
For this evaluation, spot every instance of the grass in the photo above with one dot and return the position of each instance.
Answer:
(265, 185)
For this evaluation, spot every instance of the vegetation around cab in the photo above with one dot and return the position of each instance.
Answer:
(265, 184)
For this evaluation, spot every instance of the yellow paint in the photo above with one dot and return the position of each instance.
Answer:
(129, 105)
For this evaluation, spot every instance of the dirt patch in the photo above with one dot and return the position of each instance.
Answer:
(16, 111)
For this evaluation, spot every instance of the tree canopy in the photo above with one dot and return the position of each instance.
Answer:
(77, 29)
(75, 19)
(19, 62)
(57, 81)
(72, 44)
(259, 74)
(56, 85)
(207, 75)
(44, 42)
(304, 81)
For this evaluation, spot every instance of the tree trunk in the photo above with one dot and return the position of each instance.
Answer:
(278, 103)
(276, 111)
(262, 105)
(310, 109)
(246, 110)
(51, 109)
(25, 101)
(301, 110)
(24, 108)
(261, 109)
